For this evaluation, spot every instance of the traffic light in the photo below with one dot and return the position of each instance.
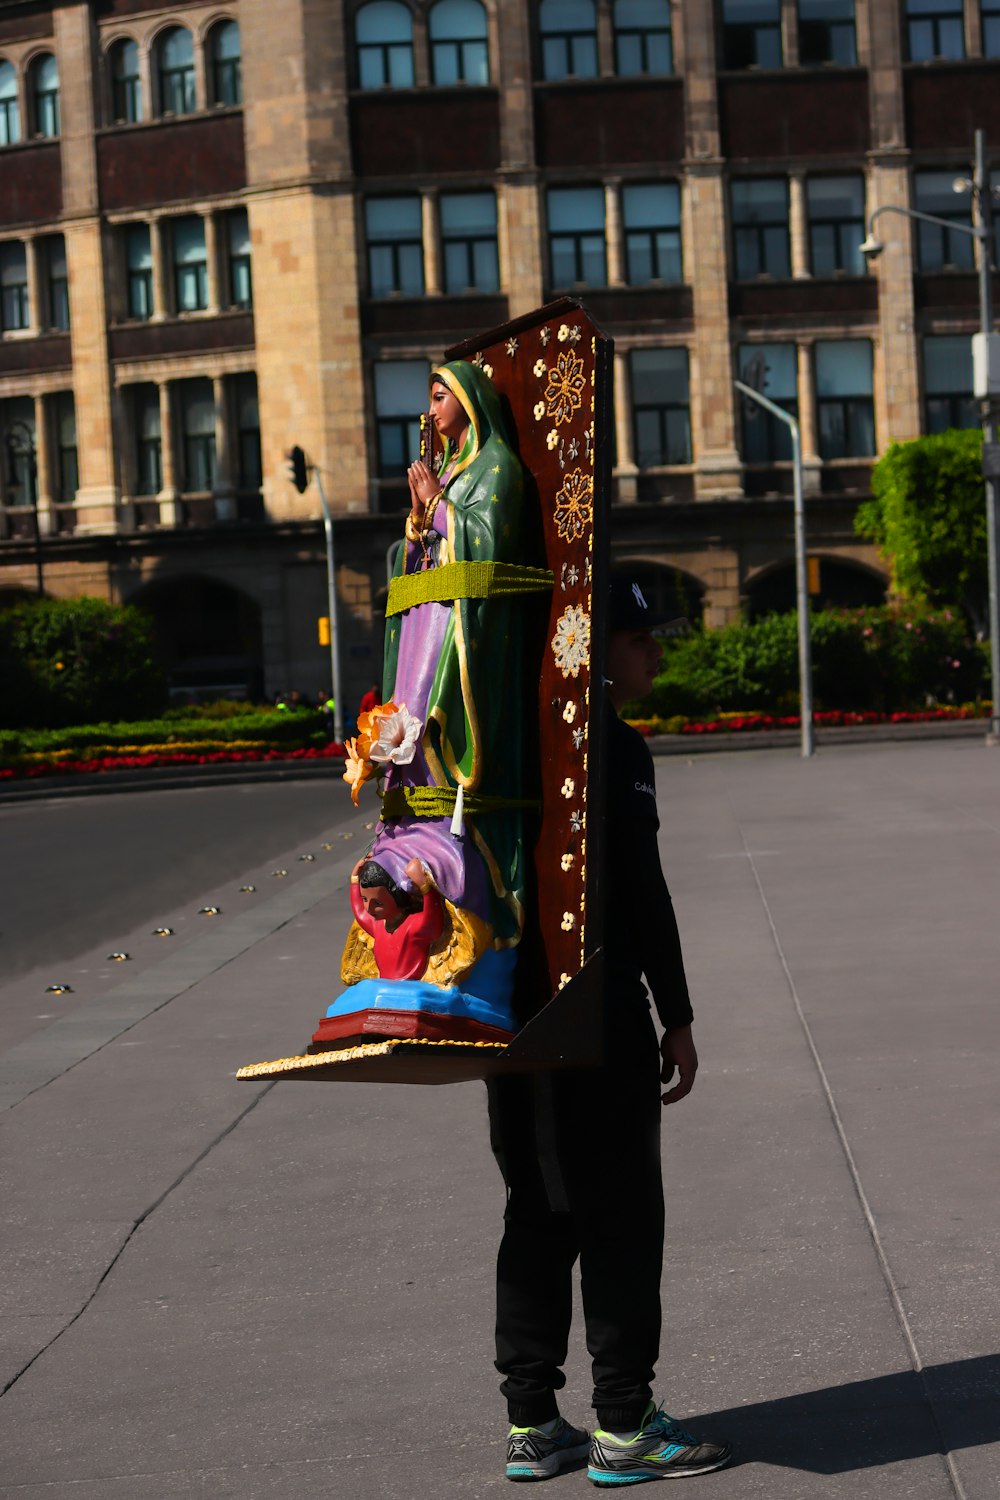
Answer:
(298, 469)
(324, 630)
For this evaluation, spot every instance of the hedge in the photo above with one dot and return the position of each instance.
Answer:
(885, 659)
(289, 730)
(70, 661)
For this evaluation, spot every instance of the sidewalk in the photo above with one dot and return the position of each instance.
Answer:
(284, 1291)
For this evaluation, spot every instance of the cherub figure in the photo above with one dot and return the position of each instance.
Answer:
(402, 924)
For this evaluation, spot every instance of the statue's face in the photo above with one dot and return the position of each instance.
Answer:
(447, 412)
(379, 904)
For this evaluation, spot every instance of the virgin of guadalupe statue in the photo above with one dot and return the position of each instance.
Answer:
(449, 739)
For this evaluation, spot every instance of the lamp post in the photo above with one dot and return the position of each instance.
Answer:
(801, 572)
(300, 471)
(986, 379)
(20, 442)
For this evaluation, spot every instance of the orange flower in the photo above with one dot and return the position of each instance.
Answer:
(368, 723)
(358, 768)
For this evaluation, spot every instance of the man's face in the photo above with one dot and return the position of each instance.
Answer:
(633, 662)
(378, 903)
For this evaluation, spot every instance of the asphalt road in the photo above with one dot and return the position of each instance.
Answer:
(283, 1291)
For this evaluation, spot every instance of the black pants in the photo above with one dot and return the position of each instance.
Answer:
(580, 1155)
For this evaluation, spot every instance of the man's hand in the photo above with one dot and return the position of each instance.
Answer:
(678, 1052)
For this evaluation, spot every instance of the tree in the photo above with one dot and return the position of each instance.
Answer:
(927, 516)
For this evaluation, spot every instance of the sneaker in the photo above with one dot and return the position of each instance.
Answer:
(532, 1454)
(662, 1450)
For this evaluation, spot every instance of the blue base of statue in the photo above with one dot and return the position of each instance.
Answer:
(483, 1000)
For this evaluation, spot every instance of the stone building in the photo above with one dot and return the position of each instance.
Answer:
(232, 226)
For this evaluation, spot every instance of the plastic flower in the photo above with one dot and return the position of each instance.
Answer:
(357, 769)
(368, 724)
(398, 734)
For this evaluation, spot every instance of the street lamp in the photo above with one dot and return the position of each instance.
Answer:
(300, 472)
(801, 572)
(986, 381)
(19, 439)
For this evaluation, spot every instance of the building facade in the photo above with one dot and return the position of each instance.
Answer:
(230, 227)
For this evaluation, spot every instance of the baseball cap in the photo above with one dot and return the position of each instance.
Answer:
(630, 610)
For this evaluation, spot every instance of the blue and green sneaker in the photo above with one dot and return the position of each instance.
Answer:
(660, 1450)
(533, 1454)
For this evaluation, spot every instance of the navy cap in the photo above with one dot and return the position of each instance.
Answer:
(630, 610)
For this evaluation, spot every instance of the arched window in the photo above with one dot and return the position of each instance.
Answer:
(459, 52)
(175, 70)
(10, 113)
(224, 51)
(43, 84)
(126, 85)
(643, 41)
(569, 39)
(384, 34)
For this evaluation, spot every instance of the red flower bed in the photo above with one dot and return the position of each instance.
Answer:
(827, 719)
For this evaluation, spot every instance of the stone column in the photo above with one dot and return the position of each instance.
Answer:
(163, 288)
(520, 245)
(626, 471)
(225, 457)
(790, 33)
(896, 379)
(812, 464)
(613, 237)
(718, 470)
(432, 265)
(798, 224)
(212, 257)
(97, 497)
(43, 467)
(169, 499)
(201, 70)
(605, 40)
(32, 255)
(973, 29)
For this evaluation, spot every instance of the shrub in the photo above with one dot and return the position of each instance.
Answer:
(883, 659)
(66, 661)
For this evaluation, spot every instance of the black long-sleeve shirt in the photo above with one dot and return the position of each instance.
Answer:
(640, 936)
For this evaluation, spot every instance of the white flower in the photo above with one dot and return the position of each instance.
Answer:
(539, 367)
(563, 333)
(551, 438)
(563, 979)
(398, 734)
(569, 712)
(539, 410)
(568, 921)
(571, 642)
(511, 347)
(545, 334)
(568, 787)
(567, 861)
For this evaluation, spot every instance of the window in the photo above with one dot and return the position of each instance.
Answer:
(651, 215)
(938, 247)
(844, 399)
(770, 369)
(190, 264)
(826, 33)
(643, 39)
(393, 228)
(224, 51)
(43, 85)
(14, 311)
(250, 473)
(751, 33)
(836, 209)
(17, 427)
(56, 282)
(139, 271)
(175, 69)
(661, 407)
(469, 242)
(238, 251)
(146, 427)
(10, 112)
(568, 30)
(934, 29)
(760, 227)
(948, 398)
(400, 397)
(991, 28)
(459, 52)
(196, 401)
(67, 475)
(576, 236)
(384, 34)
(126, 86)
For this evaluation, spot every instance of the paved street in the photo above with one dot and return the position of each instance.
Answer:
(284, 1291)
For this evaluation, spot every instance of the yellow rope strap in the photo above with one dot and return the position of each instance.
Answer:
(439, 802)
(465, 580)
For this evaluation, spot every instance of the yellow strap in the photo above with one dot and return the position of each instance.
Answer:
(465, 580)
(439, 802)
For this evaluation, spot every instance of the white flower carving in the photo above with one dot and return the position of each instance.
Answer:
(567, 861)
(539, 367)
(568, 787)
(551, 438)
(539, 410)
(571, 642)
(569, 712)
(568, 921)
(398, 734)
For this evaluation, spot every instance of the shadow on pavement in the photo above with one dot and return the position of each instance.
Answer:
(867, 1423)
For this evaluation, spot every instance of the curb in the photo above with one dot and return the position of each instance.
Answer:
(840, 734)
